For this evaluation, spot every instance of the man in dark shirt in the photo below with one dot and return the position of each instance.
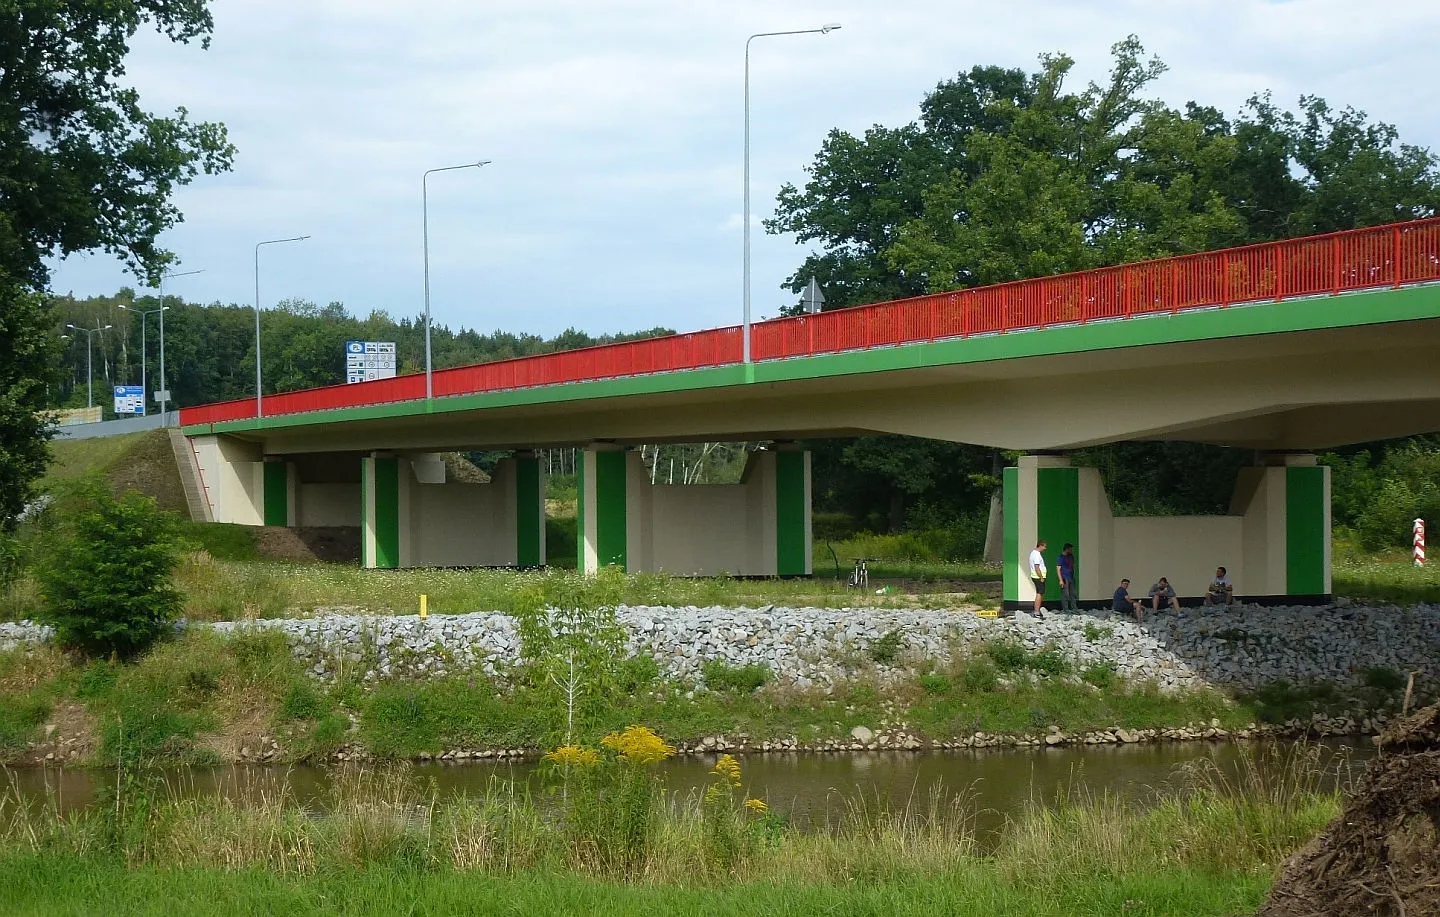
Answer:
(1123, 604)
(1065, 566)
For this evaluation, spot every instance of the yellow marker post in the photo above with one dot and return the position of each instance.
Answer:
(424, 606)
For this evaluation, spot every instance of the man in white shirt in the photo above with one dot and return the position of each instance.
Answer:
(1036, 569)
(1220, 589)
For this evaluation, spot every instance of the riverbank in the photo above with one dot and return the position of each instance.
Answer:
(455, 688)
(1209, 847)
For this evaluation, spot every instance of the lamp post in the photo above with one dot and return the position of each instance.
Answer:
(425, 243)
(823, 30)
(144, 350)
(89, 374)
(259, 398)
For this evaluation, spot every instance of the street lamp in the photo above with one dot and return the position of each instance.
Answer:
(425, 233)
(144, 314)
(259, 398)
(89, 375)
(823, 30)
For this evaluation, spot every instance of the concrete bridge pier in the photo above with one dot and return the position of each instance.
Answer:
(758, 527)
(411, 516)
(1274, 542)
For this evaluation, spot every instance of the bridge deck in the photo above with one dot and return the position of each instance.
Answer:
(1392, 256)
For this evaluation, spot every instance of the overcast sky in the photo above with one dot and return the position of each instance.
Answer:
(615, 128)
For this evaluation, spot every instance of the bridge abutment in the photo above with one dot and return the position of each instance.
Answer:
(758, 527)
(1274, 542)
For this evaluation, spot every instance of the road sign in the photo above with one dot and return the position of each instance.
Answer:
(129, 399)
(162, 396)
(366, 361)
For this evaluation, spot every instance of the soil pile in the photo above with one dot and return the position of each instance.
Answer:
(333, 543)
(1381, 856)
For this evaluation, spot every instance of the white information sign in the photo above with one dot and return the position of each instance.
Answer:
(366, 361)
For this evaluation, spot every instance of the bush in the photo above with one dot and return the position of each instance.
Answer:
(106, 574)
(734, 679)
(980, 677)
(935, 683)
(886, 649)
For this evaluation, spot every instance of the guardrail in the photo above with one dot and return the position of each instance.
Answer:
(1382, 256)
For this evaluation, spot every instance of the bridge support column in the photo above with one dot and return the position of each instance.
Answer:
(1274, 542)
(278, 484)
(601, 527)
(529, 510)
(380, 510)
(758, 527)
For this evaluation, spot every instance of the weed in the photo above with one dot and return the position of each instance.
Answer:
(886, 648)
(1099, 674)
(935, 683)
(734, 679)
(1095, 633)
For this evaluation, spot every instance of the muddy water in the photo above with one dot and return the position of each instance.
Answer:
(809, 788)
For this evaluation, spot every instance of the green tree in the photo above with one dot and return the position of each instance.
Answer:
(28, 354)
(106, 573)
(82, 167)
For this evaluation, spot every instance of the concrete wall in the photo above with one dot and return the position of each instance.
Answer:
(234, 479)
(706, 529)
(456, 525)
(327, 503)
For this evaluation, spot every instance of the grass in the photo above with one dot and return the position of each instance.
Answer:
(381, 845)
(1389, 577)
(72, 459)
(32, 885)
(197, 698)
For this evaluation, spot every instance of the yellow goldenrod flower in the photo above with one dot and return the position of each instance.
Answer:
(574, 756)
(638, 745)
(758, 806)
(728, 768)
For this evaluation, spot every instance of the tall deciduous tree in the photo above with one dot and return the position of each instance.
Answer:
(82, 167)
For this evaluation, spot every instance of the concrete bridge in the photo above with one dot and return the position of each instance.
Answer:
(1283, 348)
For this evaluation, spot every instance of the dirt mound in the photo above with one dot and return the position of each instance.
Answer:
(1381, 856)
(335, 544)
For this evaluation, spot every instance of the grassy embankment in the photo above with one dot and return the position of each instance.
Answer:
(201, 698)
(379, 846)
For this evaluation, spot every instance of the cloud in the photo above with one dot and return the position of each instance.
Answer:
(613, 201)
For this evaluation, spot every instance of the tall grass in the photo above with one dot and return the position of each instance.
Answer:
(380, 818)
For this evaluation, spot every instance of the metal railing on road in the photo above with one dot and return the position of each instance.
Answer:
(1361, 259)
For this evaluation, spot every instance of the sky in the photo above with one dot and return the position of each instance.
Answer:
(613, 199)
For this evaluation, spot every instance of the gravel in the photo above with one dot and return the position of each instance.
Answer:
(1244, 646)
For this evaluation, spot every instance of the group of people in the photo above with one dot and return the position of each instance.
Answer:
(1162, 595)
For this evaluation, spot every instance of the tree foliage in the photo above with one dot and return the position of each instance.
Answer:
(28, 351)
(106, 573)
(1008, 175)
(82, 167)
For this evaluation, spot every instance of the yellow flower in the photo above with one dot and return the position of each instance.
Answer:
(728, 768)
(638, 745)
(757, 806)
(574, 756)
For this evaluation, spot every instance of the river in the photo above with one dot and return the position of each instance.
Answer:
(808, 788)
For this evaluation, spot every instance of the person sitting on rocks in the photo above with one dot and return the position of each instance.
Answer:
(1122, 603)
(1220, 588)
(1163, 593)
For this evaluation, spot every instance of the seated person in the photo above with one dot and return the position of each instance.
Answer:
(1124, 604)
(1220, 589)
(1163, 593)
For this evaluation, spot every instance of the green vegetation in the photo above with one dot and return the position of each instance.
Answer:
(380, 842)
(106, 574)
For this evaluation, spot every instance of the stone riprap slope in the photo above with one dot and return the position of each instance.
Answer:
(1243, 647)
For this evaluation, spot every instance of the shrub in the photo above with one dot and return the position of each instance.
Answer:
(1007, 656)
(935, 683)
(1382, 678)
(886, 649)
(980, 677)
(106, 574)
(734, 679)
(1099, 674)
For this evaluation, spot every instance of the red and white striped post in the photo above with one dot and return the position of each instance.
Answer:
(1419, 542)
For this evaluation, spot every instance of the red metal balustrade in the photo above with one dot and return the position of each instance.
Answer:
(1359, 259)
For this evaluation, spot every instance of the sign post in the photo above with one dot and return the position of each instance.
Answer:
(366, 361)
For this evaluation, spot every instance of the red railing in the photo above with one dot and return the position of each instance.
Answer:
(1359, 259)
